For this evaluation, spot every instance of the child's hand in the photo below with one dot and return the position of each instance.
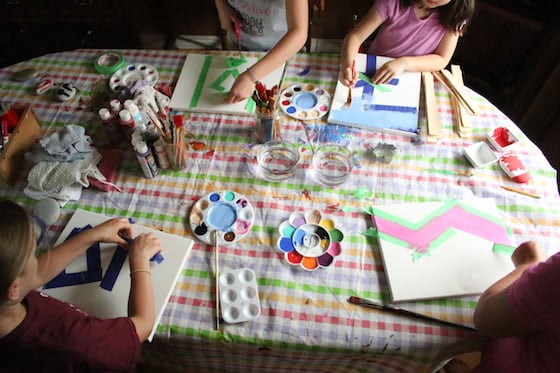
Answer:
(242, 89)
(528, 252)
(228, 17)
(142, 249)
(348, 76)
(388, 71)
(112, 231)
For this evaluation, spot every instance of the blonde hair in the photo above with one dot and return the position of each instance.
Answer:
(16, 243)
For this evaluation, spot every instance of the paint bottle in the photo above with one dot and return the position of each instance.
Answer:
(115, 106)
(161, 154)
(127, 122)
(146, 159)
(111, 127)
(139, 121)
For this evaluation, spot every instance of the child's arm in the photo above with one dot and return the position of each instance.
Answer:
(141, 306)
(226, 14)
(430, 62)
(290, 44)
(52, 262)
(352, 43)
(494, 314)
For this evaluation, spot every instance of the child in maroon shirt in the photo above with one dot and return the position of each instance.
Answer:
(40, 333)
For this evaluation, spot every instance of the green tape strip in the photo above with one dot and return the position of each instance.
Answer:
(250, 107)
(200, 83)
(503, 249)
(367, 79)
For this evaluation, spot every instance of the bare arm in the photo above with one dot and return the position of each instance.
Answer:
(51, 263)
(287, 46)
(429, 62)
(494, 315)
(141, 305)
(353, 40)
(226, 15)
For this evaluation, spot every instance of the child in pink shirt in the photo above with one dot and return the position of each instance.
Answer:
(421, 35)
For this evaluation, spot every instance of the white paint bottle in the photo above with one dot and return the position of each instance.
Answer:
(145, 159)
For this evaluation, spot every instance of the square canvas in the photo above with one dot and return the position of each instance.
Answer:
(206, 79)
(442, 249)
(98, 281)
(390, 107)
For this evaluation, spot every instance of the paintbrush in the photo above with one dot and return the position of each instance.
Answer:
(217, 276)
(349, 98)
(237, 30)
(384, 307)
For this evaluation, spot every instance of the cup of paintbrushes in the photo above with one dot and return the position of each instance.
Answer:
(177, 155)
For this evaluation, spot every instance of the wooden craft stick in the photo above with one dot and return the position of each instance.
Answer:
(465, 121)
(445, 77)
(432, 116)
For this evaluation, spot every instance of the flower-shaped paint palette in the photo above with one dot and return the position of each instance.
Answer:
(226, 212)
(309, 240)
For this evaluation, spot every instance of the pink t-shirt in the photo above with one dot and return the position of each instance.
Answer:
(536, 299)
(403, 34)
(58, 337)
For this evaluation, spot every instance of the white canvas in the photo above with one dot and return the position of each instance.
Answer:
(202, 75)
(462, 262)
(391, 107)
(102, 303)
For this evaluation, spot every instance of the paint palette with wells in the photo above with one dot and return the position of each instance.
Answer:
(227, 213)
(305, 102)
(309, 240)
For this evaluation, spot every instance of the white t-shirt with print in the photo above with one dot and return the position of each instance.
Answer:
(263, 22)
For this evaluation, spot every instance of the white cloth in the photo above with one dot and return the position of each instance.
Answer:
(59, 180)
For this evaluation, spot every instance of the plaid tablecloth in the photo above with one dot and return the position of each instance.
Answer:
(306, 323)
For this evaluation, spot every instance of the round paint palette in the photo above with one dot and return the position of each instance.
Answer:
(227, 212)
(130, 74)
(309, 241)
(305, 102)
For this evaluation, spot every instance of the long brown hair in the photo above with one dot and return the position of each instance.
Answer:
(16, 232)
(454, 16)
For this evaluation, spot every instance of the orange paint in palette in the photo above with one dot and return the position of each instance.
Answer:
(305, 102)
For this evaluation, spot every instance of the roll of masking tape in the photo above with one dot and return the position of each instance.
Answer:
(109, 62)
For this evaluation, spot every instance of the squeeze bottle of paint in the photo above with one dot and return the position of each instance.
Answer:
(139, 121)
(161, 154)
(146, 159)
(126, 121)
(115, 106)
(113, 132)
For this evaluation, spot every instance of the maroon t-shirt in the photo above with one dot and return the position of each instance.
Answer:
(58, 337)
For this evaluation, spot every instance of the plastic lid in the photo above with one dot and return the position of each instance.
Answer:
(141, 147)
(104, 114)
(125, 115)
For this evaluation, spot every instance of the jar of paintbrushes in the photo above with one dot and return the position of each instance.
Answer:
(175, 145)
(268, 121)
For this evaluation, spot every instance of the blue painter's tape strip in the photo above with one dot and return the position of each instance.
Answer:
(92, 274)
(400, 109)
(114, 268)
(371, 64)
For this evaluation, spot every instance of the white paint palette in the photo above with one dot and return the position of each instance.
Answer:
(226, 212)
(130, 74)
(305, 102)
(239, 295)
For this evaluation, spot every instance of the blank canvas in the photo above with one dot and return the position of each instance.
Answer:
(97, 301)
(442, 249)
(391, 107)
(206, 79)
